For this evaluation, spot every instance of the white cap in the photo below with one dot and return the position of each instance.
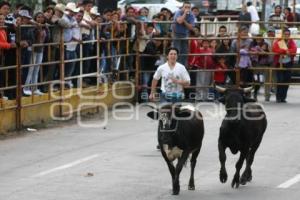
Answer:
(94, 11)
(72, 7)
(61, 7)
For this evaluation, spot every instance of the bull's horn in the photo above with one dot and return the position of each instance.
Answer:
(220, 89)
(248, 89)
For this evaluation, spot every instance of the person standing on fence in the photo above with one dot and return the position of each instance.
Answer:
(184, 22)
(285, 49)
(174, 78)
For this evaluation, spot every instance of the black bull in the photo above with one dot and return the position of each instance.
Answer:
(180, 133)
(242, 130)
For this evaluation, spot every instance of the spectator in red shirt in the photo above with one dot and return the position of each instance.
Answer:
(288, 15)
(285, 49)
(3, 45)
(204, 77)
(220, 73)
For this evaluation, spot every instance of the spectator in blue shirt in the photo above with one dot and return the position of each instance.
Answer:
(184, 22)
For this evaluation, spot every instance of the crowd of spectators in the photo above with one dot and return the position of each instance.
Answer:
(82, 24)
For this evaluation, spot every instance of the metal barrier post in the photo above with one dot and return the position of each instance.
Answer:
(18, 81)
(62, 70)
(137, 70)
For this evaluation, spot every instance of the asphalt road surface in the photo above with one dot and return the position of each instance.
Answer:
(84, 161)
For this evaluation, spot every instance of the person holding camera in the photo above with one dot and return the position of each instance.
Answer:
(184, 21)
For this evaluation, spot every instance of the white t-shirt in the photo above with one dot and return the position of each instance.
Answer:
(253, 12)
(166, 73)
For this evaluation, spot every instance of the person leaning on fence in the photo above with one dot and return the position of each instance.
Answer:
(220, 74)
(27, 38)
(285, 49)
(87, 48)
(4, 44)
(41, 36)
(132, 22)
(148, 63)
(270, 76)
(52, 71)
(221, 33)
(174, 78)
(257, 47)
(244, 62)
(204, 63)
(183, 23)
(225, 47)
(70, 37)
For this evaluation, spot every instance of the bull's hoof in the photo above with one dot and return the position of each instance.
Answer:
(175, 192)
(223, 176)
(235, 182)
(246, 177)
(176, 189)
(191, 187)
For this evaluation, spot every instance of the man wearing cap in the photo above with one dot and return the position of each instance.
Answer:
(55, 30)
(69, 24)
(87, 36)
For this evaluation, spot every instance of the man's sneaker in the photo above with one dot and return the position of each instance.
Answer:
(38, 92)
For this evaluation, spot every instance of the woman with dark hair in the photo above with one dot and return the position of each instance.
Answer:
(288, 16)
(225, 47)
(174, 78)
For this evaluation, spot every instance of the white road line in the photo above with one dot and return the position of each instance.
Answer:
(290, 182)
(72, 164)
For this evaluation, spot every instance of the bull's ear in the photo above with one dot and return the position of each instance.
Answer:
(222, 99)
(153, 115)
(249, 100)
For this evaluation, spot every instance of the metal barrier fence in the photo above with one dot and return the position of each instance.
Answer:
(119, 52)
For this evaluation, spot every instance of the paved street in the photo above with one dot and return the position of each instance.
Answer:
(119, 161)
